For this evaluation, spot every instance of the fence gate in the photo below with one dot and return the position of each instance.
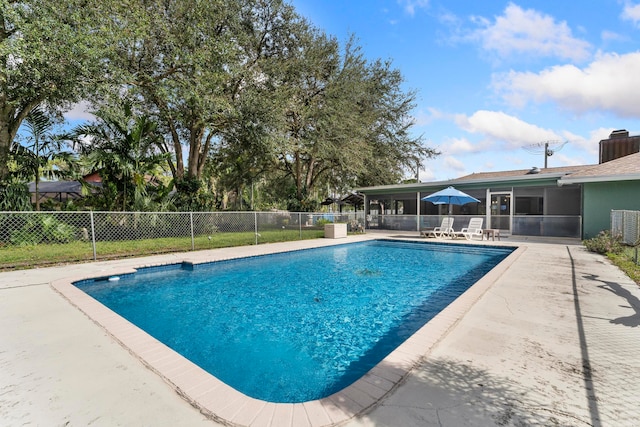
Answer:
(627, 225)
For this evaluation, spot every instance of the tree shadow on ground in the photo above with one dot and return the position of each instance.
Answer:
(632, 321)
(448, 392)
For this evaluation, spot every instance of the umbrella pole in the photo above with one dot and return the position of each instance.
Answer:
(450, 211)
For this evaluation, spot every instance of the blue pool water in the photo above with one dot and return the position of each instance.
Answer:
(301, 325)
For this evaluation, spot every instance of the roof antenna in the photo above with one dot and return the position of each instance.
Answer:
(548, 148)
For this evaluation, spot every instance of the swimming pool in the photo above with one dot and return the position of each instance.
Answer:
(301, 325)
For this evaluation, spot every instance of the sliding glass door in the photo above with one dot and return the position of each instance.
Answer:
(500, 211)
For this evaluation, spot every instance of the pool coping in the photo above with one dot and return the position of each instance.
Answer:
(226, 405)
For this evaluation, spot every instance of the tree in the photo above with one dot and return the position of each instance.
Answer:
(173, 58)
(392, 148)
(14, 196)
(123, 147)
(48, 54)
(244, 153)
(192, 61)
(42, 152)
(245, 84)
(346, 121)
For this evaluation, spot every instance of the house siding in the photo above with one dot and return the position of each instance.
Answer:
(600, 198)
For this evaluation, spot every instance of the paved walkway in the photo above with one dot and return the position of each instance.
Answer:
(554, 341)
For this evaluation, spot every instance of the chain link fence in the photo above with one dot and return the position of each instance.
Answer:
(627, 225)
(31, 238)
(529, 225)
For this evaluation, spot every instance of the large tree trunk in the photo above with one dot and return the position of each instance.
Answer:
(5, 144)
(195, 151)
(202, 161)
(178, 168)
(298, 169)
(10, 119)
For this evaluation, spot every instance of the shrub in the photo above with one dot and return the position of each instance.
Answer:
(604, 243)
(322, 221)
(14, 196)
(42, 229)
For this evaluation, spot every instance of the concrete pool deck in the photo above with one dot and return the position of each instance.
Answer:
(551, 339)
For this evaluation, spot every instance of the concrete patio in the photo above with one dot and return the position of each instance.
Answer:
(555, 340)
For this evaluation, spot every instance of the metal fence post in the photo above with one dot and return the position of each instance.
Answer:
(255, 225)
(636, 238)
(193, 245)
(93, 235)
(300, 224)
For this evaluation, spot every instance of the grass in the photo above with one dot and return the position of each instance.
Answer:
(624, 257)
(626, 261)
(31, 256)
(21, 257)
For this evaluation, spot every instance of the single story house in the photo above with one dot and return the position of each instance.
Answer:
(63, 191)
(572, 201)
(60, 191)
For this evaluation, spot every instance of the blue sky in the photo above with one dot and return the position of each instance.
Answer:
(496, 77)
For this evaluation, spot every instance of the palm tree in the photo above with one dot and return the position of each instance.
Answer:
(42, 153)
(124, 148)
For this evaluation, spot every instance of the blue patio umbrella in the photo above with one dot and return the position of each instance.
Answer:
(450, 196)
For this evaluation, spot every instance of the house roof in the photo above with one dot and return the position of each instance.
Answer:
(56, 187)
(622, 169)
(72, 187)
(520, 174)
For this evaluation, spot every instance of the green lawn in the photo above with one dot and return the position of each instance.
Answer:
(627, 262)
(21, 257)
(31, 256)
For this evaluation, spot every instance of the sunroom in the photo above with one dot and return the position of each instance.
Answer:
(523, 202)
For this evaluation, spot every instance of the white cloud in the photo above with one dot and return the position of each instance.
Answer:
(599, 134)
(611, 83)
(588, 145)
(423, 118)
(489, 165)
(499, 126)
(559, 159)
(453, 163)
(449, 19)
(607, 36)
(631, 12)
(516, 162)
(427, 175)
(459, 145)
(464, 146)
(79, 111)
(410, 6)
(520, 31)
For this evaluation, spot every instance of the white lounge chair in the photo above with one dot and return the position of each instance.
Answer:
(445, 229)
(473, 229)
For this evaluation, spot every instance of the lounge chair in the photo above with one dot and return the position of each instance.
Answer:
(445, 229)
(473, 229)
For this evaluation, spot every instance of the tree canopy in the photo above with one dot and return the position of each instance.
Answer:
(122, 147)
(50, 56)
(241, 93)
